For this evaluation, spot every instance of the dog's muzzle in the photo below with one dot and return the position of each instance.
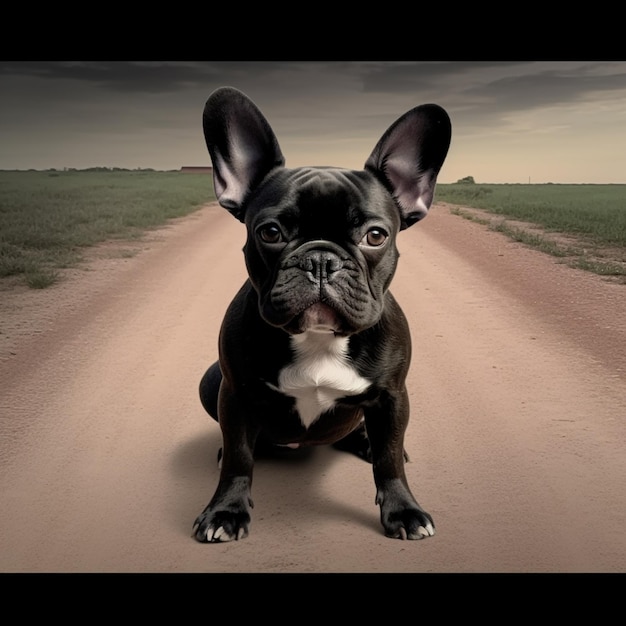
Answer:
(314, 289)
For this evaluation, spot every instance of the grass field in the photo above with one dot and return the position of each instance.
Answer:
(48, 218)
(585, 225)
(594, 211)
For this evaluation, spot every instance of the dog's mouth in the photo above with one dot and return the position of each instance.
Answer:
(318, 318)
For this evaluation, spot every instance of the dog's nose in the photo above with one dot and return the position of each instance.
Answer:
(321, 265)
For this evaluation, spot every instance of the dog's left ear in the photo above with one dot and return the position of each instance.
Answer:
(408, 158)
(242, 146)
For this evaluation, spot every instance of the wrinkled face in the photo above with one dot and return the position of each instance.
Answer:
(321, 249)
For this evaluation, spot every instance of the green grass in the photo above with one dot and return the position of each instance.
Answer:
(597, 212)
(48, 218)
(585, 225)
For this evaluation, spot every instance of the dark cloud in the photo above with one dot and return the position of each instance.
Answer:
(149, 76)
(167, 76)
(318, 109)
(506, 84)
(542, 88)
(132, 76)
(407, 76)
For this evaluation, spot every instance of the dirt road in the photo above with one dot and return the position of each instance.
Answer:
(517, 437)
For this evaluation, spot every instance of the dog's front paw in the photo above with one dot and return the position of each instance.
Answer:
(227, 516)
(219, 526)
(408, 524)
(400, 514)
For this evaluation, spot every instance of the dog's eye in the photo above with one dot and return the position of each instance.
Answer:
(374, 238)
(270, 234)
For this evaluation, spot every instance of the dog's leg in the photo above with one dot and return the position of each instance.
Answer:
(227, 516)
(209, 390)
(357, 442)
(400, 514)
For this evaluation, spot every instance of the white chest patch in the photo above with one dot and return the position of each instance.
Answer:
(320, 373)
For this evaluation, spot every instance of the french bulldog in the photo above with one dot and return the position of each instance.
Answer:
(314, 349)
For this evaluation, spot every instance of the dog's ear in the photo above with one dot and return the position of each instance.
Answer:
(408, 158)
(242, 146)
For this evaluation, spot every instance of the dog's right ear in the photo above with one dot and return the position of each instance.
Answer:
(242, 145)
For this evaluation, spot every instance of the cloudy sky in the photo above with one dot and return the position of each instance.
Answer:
(512, 122)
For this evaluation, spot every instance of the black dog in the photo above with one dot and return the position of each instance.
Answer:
(314, 349)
